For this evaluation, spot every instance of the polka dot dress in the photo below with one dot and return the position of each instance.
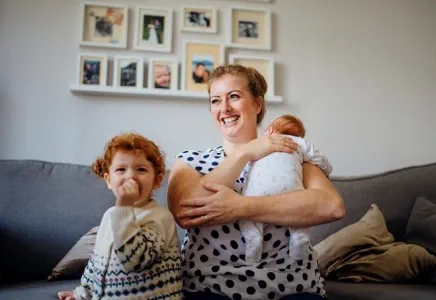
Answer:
(214, 256)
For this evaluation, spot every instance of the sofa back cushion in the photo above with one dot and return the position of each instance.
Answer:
(393, 192)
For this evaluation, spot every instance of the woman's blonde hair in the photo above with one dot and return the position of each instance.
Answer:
(256, 83)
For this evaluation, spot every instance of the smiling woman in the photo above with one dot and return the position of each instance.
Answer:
(204, 196)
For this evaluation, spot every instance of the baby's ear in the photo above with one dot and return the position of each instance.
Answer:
(108, 180)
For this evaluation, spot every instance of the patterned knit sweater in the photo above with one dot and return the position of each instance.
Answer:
(136, 256)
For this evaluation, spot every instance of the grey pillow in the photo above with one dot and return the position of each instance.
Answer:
(74, 262)
(421, 227)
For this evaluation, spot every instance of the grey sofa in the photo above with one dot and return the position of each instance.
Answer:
(45, 208)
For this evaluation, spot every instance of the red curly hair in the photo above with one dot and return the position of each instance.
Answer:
(289, 124)
(139, 145)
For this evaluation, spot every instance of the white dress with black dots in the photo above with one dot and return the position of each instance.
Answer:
(213, 257)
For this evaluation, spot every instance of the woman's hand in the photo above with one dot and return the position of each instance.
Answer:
(222, 207)
(266, 144)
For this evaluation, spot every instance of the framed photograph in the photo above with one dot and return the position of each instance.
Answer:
(263, 64)
(198, 19)
(92, 69)
(128, 71)
(163, 74)
(250, 28)
(104, 25)
(264, 1)
(153, 29)
(199, 59)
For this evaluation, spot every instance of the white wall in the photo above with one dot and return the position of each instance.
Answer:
(360, 73)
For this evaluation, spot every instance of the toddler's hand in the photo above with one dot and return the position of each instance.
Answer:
(127, 193)
(66, 295)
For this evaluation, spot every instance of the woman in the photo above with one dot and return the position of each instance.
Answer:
(203, 195)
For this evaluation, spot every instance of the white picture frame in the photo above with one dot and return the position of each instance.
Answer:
(92, 69)
(159, 69)
(265, 65)
(103, 25)
(264, 1)
(153, 29)
(249, 28)
(128, 72)
(202, 19)
(210, 54)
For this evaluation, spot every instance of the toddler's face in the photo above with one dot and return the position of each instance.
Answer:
(128, 165)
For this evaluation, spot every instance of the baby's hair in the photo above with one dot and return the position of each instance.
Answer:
(139, 145)
(290, 125)
(256, 83)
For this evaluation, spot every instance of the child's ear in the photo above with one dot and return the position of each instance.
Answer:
(157, 183)
(108, 180)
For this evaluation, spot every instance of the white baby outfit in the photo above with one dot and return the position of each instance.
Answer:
(279, 173)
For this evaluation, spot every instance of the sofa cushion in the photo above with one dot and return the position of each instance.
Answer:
(365, 251)
(37, 289)
(45, 207)
(377, 291)
(394, 193)
(74, 262)
(369, 231)
(421, 228)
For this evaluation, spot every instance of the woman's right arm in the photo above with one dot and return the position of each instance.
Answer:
(185, 182)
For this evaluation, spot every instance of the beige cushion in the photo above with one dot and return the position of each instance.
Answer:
(365, 251)
(74, 262)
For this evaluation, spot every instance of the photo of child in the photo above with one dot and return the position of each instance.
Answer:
(162, 76)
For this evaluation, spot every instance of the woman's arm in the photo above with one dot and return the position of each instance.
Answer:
(318, 203)
(186, 183)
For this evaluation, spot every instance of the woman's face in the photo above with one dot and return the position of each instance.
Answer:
(234, 109)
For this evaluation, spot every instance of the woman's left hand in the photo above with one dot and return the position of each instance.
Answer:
(222, 207)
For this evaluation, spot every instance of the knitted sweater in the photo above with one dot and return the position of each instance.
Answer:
(136, 256)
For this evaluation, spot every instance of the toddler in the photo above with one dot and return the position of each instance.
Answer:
(278, 173)
(136, 253)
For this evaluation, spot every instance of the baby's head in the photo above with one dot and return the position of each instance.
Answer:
(287, 124)
(131, 156)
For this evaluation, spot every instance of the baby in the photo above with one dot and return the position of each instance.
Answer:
(136, 253)
(278, 173)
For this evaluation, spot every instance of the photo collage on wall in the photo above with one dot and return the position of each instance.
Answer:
(106, 26)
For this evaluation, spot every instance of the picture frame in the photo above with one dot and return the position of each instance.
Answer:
(128, 72)
(263, 64)
(198, 19)
(153, 29)
(163, 73)
(92, 69)
(104, 25)
(199, 59)
(249, 28)
(264, 1)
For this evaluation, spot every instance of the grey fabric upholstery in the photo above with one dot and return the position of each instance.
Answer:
(377, 291)
(45, 208)
(394, 192)
(36, 289)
